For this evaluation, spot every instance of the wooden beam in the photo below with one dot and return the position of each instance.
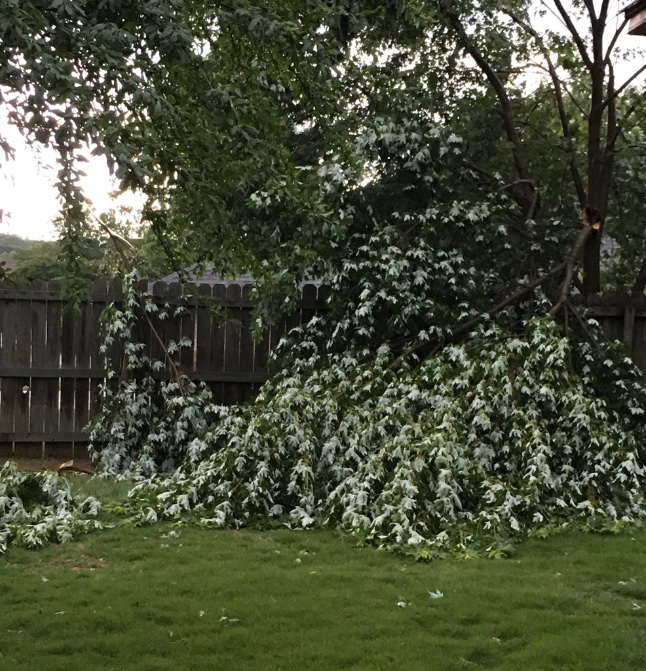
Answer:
(637, 25)
(629, 328)
(98, 373)
(636, 15)
(47, 373)
(49, 437)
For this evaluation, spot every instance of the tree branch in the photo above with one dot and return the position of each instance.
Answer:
(614, 39)
(574, 254)
(459, 330)
(117, 241)
(590, 7)
(564, 86)
(603, 12)
(494, 80)
(558, 93)
(575, 34)
(624, 86)
(612, 129)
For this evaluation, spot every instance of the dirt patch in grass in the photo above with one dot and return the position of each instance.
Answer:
(84, 563)
(79, 563)
(49, 464)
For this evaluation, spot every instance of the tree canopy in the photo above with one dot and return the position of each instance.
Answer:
(266, 133)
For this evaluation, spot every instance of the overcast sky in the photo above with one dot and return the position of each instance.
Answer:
(28, 197)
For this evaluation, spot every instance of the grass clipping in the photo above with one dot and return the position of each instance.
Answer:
(497, 437)
(38, 508)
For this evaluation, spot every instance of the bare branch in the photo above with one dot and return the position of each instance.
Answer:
(556, 82)
(614, 39)
(611, 127)
(590, 7)
(619, 127)
(567, 20)
(603, 12)
(564, 86)
(574, 254)
(624, 86)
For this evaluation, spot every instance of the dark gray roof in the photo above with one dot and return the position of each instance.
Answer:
(210, 278)
(207, 277)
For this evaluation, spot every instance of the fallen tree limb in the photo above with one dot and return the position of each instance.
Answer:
(456, 333)
(586, 231)
(117, 240)
(71, 466)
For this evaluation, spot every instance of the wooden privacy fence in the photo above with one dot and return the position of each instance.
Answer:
(51, 368)
(622, 317)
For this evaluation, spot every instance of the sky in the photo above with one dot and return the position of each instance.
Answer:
(28, 200)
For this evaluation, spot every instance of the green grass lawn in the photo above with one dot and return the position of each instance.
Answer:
(140, 599)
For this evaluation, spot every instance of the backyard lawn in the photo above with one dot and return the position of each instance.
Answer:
(155, 598)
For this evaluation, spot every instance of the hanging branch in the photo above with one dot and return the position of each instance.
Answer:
(118, 240)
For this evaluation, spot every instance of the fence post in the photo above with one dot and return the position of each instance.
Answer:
(629, 327)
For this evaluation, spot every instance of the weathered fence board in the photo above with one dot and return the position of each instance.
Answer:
(51, 367)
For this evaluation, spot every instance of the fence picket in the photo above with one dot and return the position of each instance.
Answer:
(37, 408)
(218, 329)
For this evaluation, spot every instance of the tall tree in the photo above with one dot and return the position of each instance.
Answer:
(575, 54)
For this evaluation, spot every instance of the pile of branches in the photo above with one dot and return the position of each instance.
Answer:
(39, 508)
(490, 438)
(430, 442)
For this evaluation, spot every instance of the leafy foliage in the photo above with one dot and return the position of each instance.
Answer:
(252, 127)
(38, 508)
(398, 149)
(145, 423)
(516, 429)
(499, 435)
